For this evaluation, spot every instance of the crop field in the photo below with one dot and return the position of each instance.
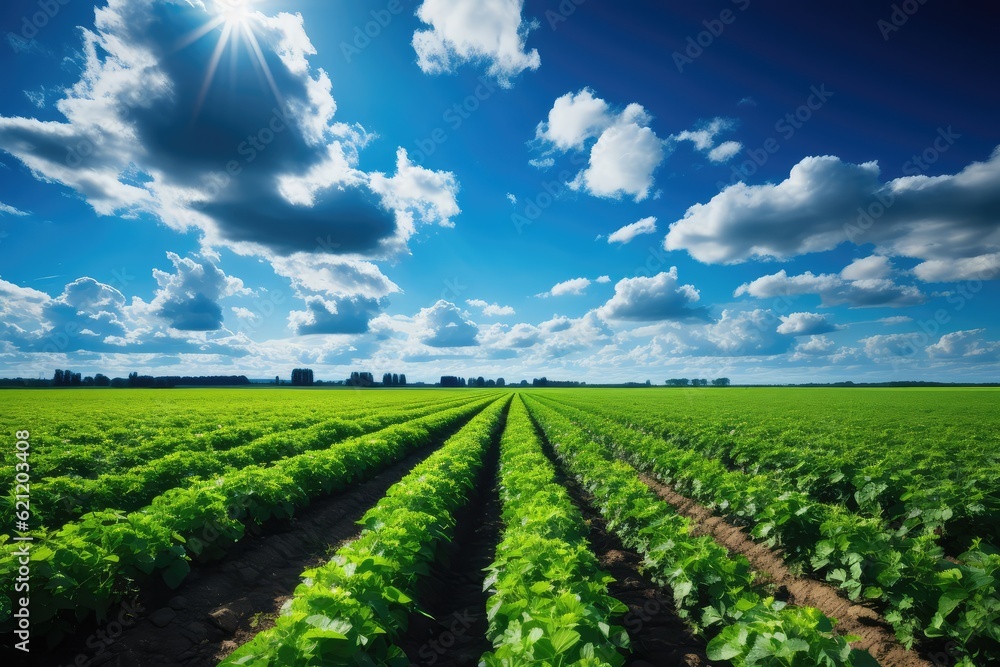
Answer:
(662, 526)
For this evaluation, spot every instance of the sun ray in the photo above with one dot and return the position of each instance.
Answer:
(252, 40)
(213, 65)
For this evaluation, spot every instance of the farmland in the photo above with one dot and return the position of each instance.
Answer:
(699, 526)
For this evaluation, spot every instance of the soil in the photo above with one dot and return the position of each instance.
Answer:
(876, 634)
(452, 594)
(221, 606)
(659, 637)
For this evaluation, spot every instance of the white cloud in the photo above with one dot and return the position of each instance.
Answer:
(349, 315)
(188, 299)
(658, 298)
(245, 313)
(815, 345)
(747, 333)
(725, 151)
(805, 324)
(6, 209)
(575, 286)
(491, 309)
(704, 137)
(542, 163)
(511, 198)
(874, 267)
(602, 280)
(443, 325)
(629, 232)
(142, 134)
(833, 290)
(622, 162)
(895, 319)
(626, 151)
(965, 344)
(890, 347)
(575, 118)
(491, 31)
(948, 222)
(334, 276)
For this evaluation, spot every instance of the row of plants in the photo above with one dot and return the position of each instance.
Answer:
(85, 434)
(923, 594)
(549, 602)
(713, 591)
(350, 610)
(939, 477)
(90, 564)
(64, 498)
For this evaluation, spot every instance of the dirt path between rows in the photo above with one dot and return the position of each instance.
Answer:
(452, 593)
(876, 634)
(659, 637)
(223, 605)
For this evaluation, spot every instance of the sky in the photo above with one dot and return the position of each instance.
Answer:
(576, 189)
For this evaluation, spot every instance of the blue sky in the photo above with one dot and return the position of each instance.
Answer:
(579, 189)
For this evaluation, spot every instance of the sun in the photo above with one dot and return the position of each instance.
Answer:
(236, 21)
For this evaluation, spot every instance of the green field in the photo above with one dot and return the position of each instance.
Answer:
(891, 497)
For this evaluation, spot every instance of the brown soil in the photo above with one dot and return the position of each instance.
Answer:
(452, 594)
(876, 634)
(223, 605)
(658, 635)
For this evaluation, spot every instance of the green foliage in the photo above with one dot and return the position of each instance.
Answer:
(549, 600)
(351, 609)
(711, 589)
(88, 565)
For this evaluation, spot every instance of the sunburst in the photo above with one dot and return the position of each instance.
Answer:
(236, 21)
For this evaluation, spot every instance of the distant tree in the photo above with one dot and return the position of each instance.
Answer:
(57, 378)
(491, 383)
(277, 379)
(677, 382)
(648, 383)
(302, 377)
(395, 380)
(450, 381)
(402, 379)
(480, 382)
(101, 380)
(387, 380)
(471, 382)
(501, 382)
(720, 382)
(524, 383)
(361, 379)
(540, 382)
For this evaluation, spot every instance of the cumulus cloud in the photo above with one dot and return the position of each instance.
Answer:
(603, 280)
(873, 267)
(834, 290)
(188, 299)
(815, 346)
(462, 31)
(703, 140)
(629, 232)
(948, 222)
(626, 151)
(491, 309)
(152, 127)
(334, 316)
(889, 347)
(658, 298)
(443, 325)
(574, 286)
(805, 324)
(90, 316)
(968, 344)
(746, 333)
